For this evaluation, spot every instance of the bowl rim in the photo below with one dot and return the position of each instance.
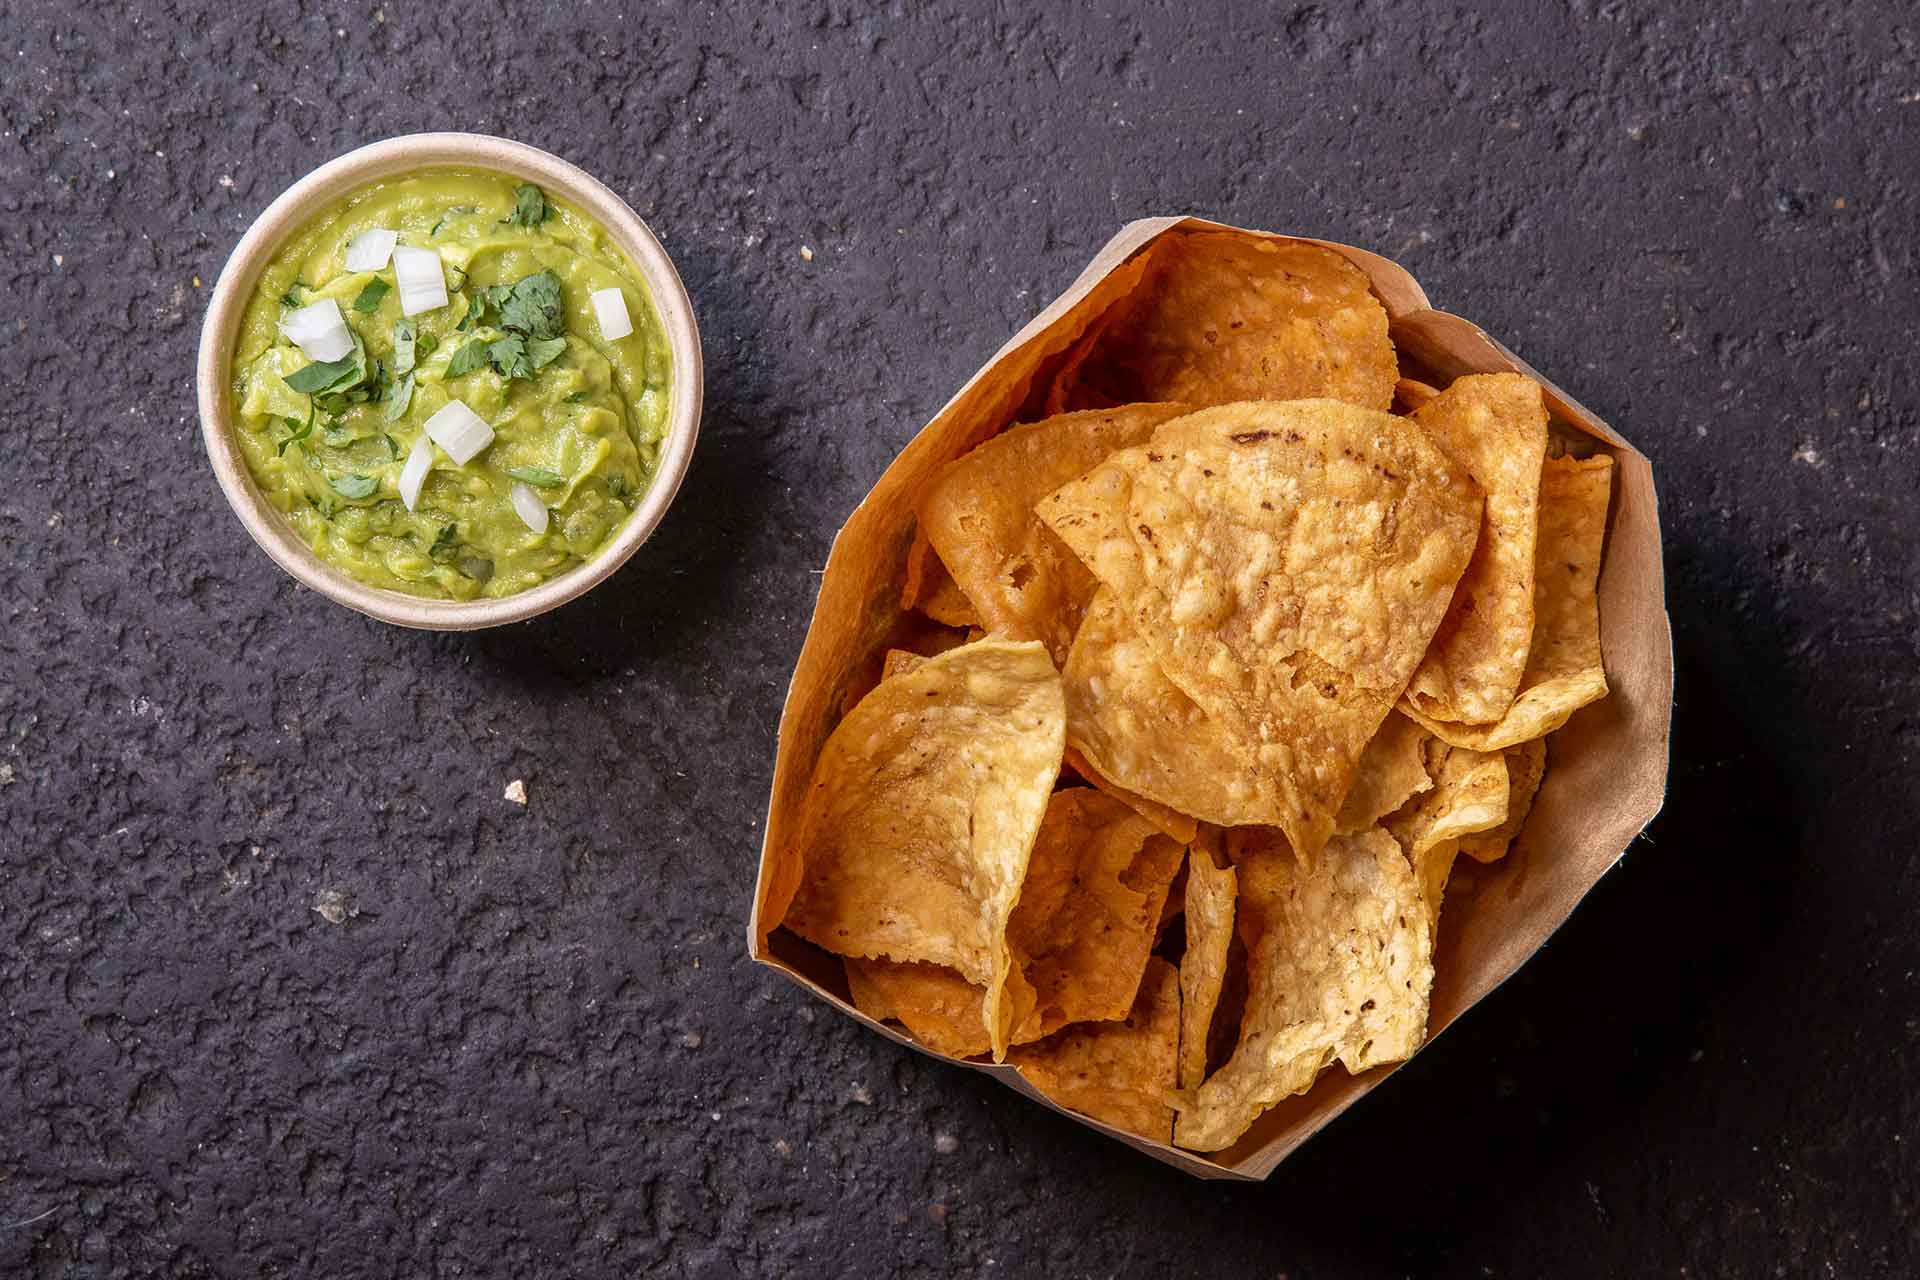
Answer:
(219, 334)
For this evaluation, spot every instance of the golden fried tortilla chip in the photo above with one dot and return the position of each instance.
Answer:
(1469, 795)
(1526, 766)
(923, 810)
(1392, 769)
(1222, 317)
(1120, 1072)
(1410, 393)
(1494, 425)
(1288, 564)
(978, 515)
(899, 662)
(941, 1008)
(1203, 966)
(1139, 731)
(930, 588)
(1170, 821)
(1089, 909)
(1340, 964)
(1564, 671)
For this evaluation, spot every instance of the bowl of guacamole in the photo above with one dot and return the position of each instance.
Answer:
(449, 381)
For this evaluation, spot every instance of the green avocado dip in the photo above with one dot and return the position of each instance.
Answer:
(495, 437)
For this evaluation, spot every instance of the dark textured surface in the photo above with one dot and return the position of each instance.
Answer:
(530, 1044)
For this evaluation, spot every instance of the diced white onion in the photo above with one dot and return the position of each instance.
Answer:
(527, 503)
(370, 250)
(319, 330)
(460, 431)
(423, 286)
(414, 474)
(610, 309)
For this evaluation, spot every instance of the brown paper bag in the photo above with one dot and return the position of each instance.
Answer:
(1608, 764)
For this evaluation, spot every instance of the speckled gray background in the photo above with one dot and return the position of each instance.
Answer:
(530, 1044)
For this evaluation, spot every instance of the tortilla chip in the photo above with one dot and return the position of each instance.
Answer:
(1203, 966)
(1526, 766)
(1119, 1073)
(1410, 393)
(922, 813)
(1340, 964)
(1089, 909)
(941, 1008)
(1494, 425)
(978, 515)
(899, 662)
(1223, 317)
(1171, 821)
(1288, 564)
(1392, 770)
(1469, 795)
(1564, 670)
(1136, 728)
(930, 588)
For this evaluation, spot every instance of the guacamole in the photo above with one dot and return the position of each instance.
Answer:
(576, 418)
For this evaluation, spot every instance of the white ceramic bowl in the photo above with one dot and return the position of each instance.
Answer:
(349, 173)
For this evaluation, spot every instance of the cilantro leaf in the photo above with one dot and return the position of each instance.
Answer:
(532, 306)
(530, 207)
(393, 446)
(467, 358)
(369, 300)
(324, 377)
(404, 343)
(300, 430)
(425, 345)
(444, 543)
(542, 352)
(509, 357)
(455, 212)
(398, 399)
(538, 477)
(291, 298)
(353, 486)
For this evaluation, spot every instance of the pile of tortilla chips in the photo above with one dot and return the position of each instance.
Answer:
(1221, 664)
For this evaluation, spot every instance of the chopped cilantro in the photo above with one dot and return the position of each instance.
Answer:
(530, 207)
(532, 306)
(455, 212)
(325, 377)
(369, 300)
(398, 398)
(393, 446)
(538, 477)
(404, 348)
(467, 358)
(509, 356)
(301, 430)
(542, 352)
(444, 543)
(353, 486)
(575, 397)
